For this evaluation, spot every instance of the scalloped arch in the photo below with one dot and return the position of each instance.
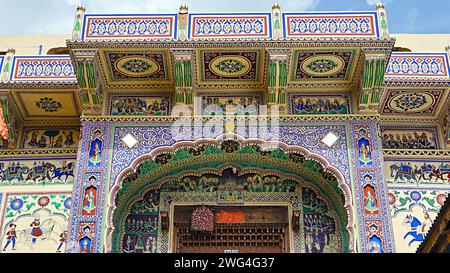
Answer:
(327, 167)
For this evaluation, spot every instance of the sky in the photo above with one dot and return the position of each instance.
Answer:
(56, 16)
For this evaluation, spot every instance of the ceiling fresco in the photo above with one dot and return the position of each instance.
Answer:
(319, 66)
(47, 104)
(231, 66)
(128, 67)
(415, 102)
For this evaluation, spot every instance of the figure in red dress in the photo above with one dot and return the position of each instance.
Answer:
(36, 230)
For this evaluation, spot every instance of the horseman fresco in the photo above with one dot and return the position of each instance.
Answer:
(36, 231)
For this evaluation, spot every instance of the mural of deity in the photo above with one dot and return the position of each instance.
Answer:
(370, 200)
(408, 140)
(89, 201)
(90, 198)
(140, 106)
(85, 243)
(364, 152)
(95, 153)
(319, 105)
(54, 138)
(375, 245)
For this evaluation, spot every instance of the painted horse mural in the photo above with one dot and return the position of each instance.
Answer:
(416, 229)
(50, 231)
(64, 171)
(440, 172)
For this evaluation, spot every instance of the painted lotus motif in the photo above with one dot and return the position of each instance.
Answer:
(322, 65)
(48, 104)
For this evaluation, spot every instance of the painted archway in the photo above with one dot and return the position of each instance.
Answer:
(165, 164)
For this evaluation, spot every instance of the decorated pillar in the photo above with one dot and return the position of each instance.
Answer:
(382, 20)
(89, 189)
(78, 23)
(370, 190)
(5, 73)
(277, 30)
(183, 21)
(183, 77)
(90, 90)
(277, 78)
(372, 85)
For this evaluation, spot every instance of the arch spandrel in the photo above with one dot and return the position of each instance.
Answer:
(154, 138)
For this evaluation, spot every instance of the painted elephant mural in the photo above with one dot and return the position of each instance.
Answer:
(37, 171)
(425, 172)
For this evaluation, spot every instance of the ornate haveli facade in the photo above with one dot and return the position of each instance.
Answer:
(247, 132)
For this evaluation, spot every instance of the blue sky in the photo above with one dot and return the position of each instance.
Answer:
(56, 16)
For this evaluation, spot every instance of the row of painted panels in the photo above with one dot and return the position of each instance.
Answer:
(37, 221)
(59, 171)
(433, 66)
(418, 137)
(253, 25)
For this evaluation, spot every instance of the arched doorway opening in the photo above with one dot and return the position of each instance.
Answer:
(282, 200)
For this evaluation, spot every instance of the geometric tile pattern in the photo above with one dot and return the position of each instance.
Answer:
(331, 24)
(229, 25)
(42, 68)
(129, 26)
(418, 65)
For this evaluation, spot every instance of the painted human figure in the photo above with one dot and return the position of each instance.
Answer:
(33, 141)
(69, 139)
(42, 143)
(375, 246)
(11, 237)
(90, 198)
(370, 204)
(129, 245)
(365, 154)
(36, 231)
(58, 142)
(62, 240)
(85, 242)
(95, 156)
